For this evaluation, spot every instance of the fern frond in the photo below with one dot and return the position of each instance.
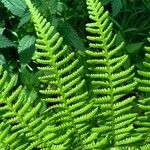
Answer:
(8, 139)
(144, 103)
(145, 147)
(22, 126)
(65, 92)
(110, 82)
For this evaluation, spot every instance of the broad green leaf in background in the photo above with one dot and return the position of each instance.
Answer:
(70, 35)
(2, 60)
(5, 42)
(146, 3)
(116, 6)
(25, 18)
(47, 7)
(52, 5)
(28, 78)
(134, 47)
(17, 7)
(2, 28)
(26, 42)
(119, 38)
(26, 48)
(105, 2)
(127, 64)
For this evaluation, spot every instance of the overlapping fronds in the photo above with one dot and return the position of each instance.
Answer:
(21, 124)
(7, 137)
(64, 115)
(110, 81)
(143, 121)
(64, 89)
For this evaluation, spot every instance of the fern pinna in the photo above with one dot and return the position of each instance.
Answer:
(109, 81)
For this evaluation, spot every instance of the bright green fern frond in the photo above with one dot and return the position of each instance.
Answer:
(22, 126)
(143, 121)
(145, 147)
(110, 82)
(8, 138)
(64, 93)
